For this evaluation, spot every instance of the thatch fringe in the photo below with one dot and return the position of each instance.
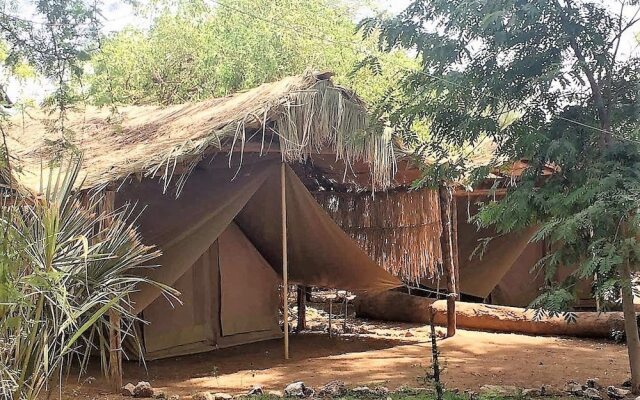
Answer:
(303, 113)
(399, 229)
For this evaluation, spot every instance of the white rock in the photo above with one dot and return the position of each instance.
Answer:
(127, 390)
(256, 390)
(333, 389)
(617, 393)
(143, 390)
(298, 389)
(592, 394)
(202, 396)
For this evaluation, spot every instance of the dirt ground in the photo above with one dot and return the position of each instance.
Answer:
(389, 354)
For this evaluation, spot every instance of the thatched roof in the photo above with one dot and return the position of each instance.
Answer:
(297, 116)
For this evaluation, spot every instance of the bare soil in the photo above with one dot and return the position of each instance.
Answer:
(391, 354)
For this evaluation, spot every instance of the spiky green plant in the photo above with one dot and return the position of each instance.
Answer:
(62, 269)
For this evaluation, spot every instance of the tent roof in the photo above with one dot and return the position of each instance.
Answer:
(298, 115)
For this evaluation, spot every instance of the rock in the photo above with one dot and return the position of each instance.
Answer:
(256, 390)
(380, 391)
(127, 390)
(594, 383)
(496, 390)
(471, 394)
(143, 390)
(574, 389)
(202, 396)
(532, 392)
(362, 391)
(174, 397)
(408, 334)
(617, 393)
(160, 395)
(333, 389)
(626, 384)
(592, 394)
(298, 389)
(222, 396)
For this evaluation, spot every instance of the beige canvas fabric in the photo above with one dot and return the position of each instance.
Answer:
(175, 328)
(520, 285)
(482, 272)
(320, 253)
(248, 286)
(185, 227)
(189, 231)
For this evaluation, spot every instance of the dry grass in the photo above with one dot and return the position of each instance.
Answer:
(400, 229)
(299, 115)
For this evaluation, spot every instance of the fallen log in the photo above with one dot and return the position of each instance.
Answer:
(402, 307)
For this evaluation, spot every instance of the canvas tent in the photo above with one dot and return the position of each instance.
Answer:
(209, 176)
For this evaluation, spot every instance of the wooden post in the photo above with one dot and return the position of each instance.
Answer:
(331, 297)
(285, 272)
(115, 336)
(346, 311)
(302, 309)
(448, 258)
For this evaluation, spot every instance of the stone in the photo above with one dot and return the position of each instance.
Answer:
(496, 390)
(143, 390)
(626, 384)
(574, 389)
(592, 394)
(594, 383)
(532, 392)
(408, 334)
(617, 393)
(471, 394)
(362, 391)
(298, 389)
(380, 391)
(333, 389)
(127, 390)
(256, 390)
(174, 397)
(159, 395)
(202, 396)
(222, 396)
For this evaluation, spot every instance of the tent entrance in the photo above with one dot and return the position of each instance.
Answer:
(229, 297)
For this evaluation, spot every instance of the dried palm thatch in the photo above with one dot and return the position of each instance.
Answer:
(399, 229)
(300, 114)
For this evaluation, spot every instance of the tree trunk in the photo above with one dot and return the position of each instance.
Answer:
(302, 309)
(448, 257)
(631, 327)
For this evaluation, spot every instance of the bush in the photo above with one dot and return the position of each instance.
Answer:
(65, 263)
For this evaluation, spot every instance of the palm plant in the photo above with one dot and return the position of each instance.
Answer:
(62, 269)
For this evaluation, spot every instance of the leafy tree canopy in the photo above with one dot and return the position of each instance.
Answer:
(544, 80)
(196, 50)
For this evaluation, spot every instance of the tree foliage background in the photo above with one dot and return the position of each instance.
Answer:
(196, 49)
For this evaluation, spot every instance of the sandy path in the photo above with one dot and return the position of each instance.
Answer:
(388, 355)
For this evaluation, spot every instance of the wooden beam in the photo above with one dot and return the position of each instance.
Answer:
(480, 192)
(285, 272)
(302, 309)
(115, 336)
(446, 242)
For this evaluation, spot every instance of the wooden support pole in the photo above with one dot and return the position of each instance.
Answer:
(285, 272)
(346, 312)
(448, 258)
(302, 309)
(115, 336)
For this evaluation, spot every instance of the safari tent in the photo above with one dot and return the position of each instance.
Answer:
(402, 229)
(217, 196)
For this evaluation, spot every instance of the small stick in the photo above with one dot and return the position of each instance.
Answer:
(330, 297)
